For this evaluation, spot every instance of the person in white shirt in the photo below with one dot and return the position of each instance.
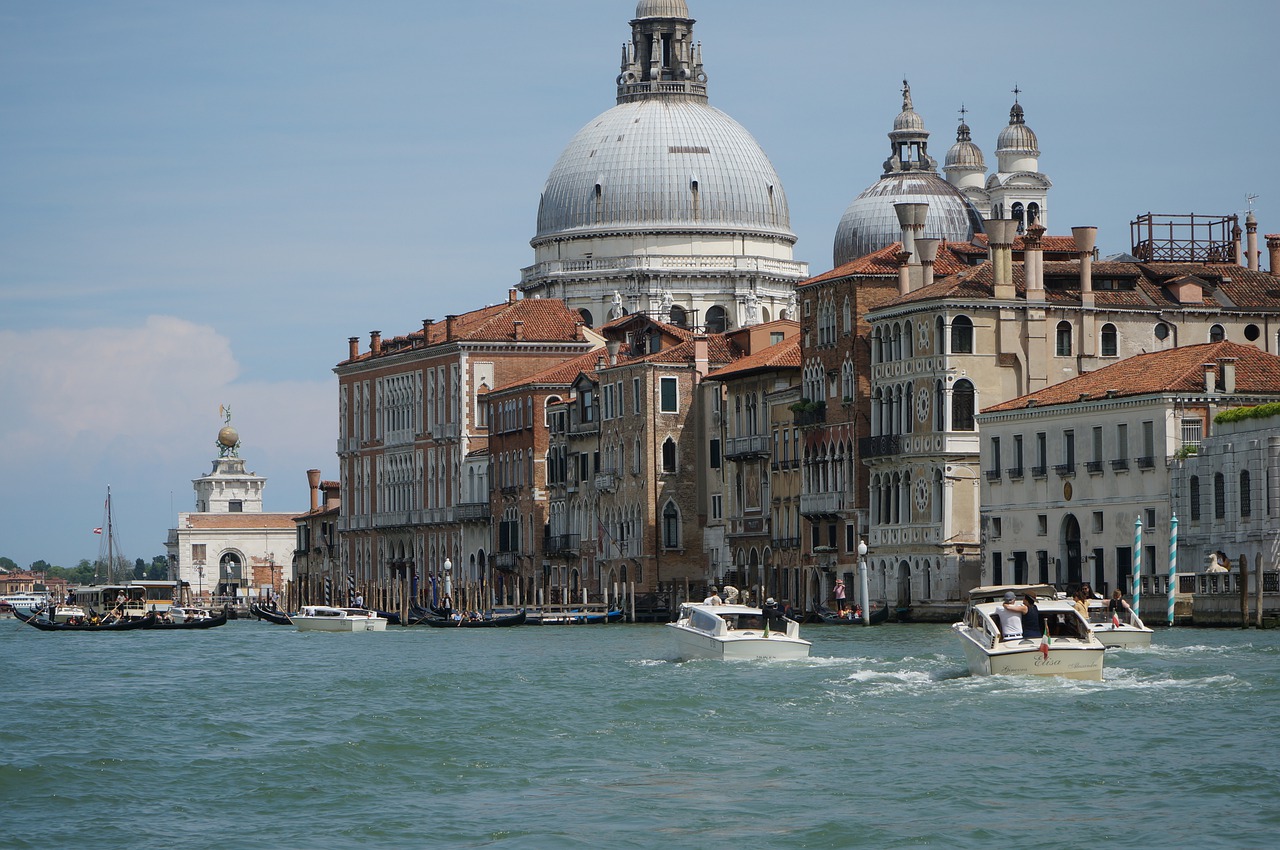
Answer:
(1009, 616)
(713, 597)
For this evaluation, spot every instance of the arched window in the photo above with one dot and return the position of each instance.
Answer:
(961, 335)
(717, 319)
(939, 408)
(670, 526)
(669, 455)
(1109, 345)
(1217, 333)
(962, 401)
(1033, 213)
(679, 317)
(938, 331)
(1246, 497)
(1018, 214)
(1063, 348)
(586, 317)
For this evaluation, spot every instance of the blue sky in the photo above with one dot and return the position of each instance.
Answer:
(200, 202)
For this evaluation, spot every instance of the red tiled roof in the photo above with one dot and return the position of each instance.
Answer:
(884, 262)
(1177, 370)
(212, 521)
(784, 355)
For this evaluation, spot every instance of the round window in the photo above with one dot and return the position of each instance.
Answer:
(1162, 331)
(1251, 332)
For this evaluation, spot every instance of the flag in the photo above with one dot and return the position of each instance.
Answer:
(97, 531)
(1045, 641)
(1115, 620)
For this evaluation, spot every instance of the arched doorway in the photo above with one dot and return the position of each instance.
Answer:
(904, 585)
(230, 575)
(1071, 549)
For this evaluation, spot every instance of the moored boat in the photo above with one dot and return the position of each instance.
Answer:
(271, 615)
(46, 625)
(188, 618)
(1068, 648)
(516, 619)
(324, 618)
(723, 632)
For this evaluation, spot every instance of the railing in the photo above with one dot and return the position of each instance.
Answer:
(881, 446)
(810, 416)
(651, 262)
(584, 428)
(1120, 464)
(1093, 466)
(821, 504)
(754, 445)
(1039, 472)
(1146, 462)
(470, 511)
(505, 560)
(785, 542)
(1014, 473)
(1065, 470)
(562, 544)
(606, 482)
(993, 475)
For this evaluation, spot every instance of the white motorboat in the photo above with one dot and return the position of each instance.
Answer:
(1069, 647)
(734, 632)
(26, 603)
(323, 618)
(1116, 632)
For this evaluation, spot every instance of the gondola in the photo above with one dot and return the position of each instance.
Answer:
(493, 623)
(280, 618)
(878, 615)
(201, 623)
(118, 626)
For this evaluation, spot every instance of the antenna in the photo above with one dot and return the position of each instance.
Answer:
(1249, 199)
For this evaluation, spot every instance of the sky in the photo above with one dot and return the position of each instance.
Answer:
(200, 202)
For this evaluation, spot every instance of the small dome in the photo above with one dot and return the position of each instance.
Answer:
(908, 119)
(871, 223)
(964, 153)
(1017, 137)
(662, 9)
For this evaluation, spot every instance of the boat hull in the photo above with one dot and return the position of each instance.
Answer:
(340, 624)
(1122, 637)
(492, 623)
(742, 645)
(1067, 658)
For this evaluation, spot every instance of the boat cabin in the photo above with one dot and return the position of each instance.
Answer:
(136, 598)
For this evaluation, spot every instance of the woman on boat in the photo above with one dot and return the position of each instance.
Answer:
(1117, 607)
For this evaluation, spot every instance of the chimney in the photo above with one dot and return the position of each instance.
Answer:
(700, 356)
(1001, 232)
(1210, 379)
(1238, 256)
(1033, 262)
(613, 346)
(448, 327)
(313, 481)
(1251, 251)
(928, 252)
(1086, 241)
(512, 296)
(579, 332)
(375, 342)
(903, 258)
(426, 330)
(517, 327)
(1227, 369)
(911, 217)
(353, 347)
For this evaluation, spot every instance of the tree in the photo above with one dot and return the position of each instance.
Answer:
(8, 564)
(139, 569)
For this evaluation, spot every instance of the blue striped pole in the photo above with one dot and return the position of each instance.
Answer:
(1173, 561)
(1137, 566)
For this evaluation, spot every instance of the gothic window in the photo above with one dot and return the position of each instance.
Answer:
(846, 379)
(962, 406)
(671, 526)
(1109, 345)
(1063, 338)
(669, 455)
(848, 316)
(961, 335)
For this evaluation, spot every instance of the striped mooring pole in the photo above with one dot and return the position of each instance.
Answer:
(1173, 562)
(1137, 567)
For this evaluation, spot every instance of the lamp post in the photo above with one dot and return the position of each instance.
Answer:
(862, 583)
(448, 579)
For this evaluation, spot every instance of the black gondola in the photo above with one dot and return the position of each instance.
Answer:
(118, 626)
(878, 615)
(201, 623)
(280, 618)
(491, 623)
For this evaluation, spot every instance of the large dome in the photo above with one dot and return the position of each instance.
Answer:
(871, 223)
(663, 164)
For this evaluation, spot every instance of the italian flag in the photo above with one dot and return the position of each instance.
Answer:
(1045, 641)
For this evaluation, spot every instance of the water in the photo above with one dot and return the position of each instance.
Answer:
(254, 735)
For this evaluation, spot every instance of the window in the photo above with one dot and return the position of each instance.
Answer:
(718, 319)
(1063, 347)
(997, 527)
(1151, 520)
(670, 527)
(669, 456)
(1016, 471)
(714, 453)
(1193, 496)
(961, 335)
(1097, 522)
(993, 465)
(669, 389)
(1042, 453)
(1147, 461)
(717, 506)
(1162, 331)
(1192, 432)
(1217, 333)
(962, 406)
(1219, 496)
(1042, 525)
(635, 397)
(1109, 345)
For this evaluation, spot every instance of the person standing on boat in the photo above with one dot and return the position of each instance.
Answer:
(774, 614)
(1010, 617)
(1032, 621)
(359, 600)
(1119, 609)
(713, 597)
(840, 595)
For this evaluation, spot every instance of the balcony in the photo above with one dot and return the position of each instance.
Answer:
(1065, 470)
(505, 560)
(562, 545)
(882, 446)
(1094, 467)
(472, 511)
(1120, 464)
(748, 526)
(785, 543)
(606, 482)
(755, 445)
(821, 504)
(809, 415)
(993, 475)
(1014, 473)
(1039, 472)
(584, 428)
(1146, 462)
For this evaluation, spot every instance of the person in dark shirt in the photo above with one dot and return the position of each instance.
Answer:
(1032, 621)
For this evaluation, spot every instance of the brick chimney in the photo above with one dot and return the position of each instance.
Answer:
(903, 259)
(448, 327)
(426, 330)
(1273, 247)
(1033, 262)
(1227, 369)
(927, 249)
(700, 356)
(313, 481)
(353, 347)
(1251, 247)
(375, 342)
(1210, 378)
(512, 296)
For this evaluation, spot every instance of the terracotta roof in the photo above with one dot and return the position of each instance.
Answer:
(563, 374)
(1049, 244)
(883, 262)
(1178, 370)
(335, 510)
(784, 355)
(214, 521)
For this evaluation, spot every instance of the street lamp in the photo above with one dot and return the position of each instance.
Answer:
(862, 582)
(448, 579)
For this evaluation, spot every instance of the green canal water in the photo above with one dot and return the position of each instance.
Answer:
(254, 735)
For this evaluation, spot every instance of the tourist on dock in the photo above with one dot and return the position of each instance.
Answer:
(1119, 609)
(840, 595)
(1032, 621)
(713, 597)
(1009, 615)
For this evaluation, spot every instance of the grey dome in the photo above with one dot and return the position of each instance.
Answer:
(870, 223)
(908, 119)
(662, 9)
(646, 157)
(965, 155)
(1017, 137)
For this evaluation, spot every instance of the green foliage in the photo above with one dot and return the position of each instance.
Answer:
(8, 564)
(1239, 414)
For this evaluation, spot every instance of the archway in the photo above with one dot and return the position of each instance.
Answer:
(1070, 544)
(904, 585)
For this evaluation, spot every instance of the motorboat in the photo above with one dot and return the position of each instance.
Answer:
(1117, 632)
(1069, 647)
(730, 632)
(324, 618)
